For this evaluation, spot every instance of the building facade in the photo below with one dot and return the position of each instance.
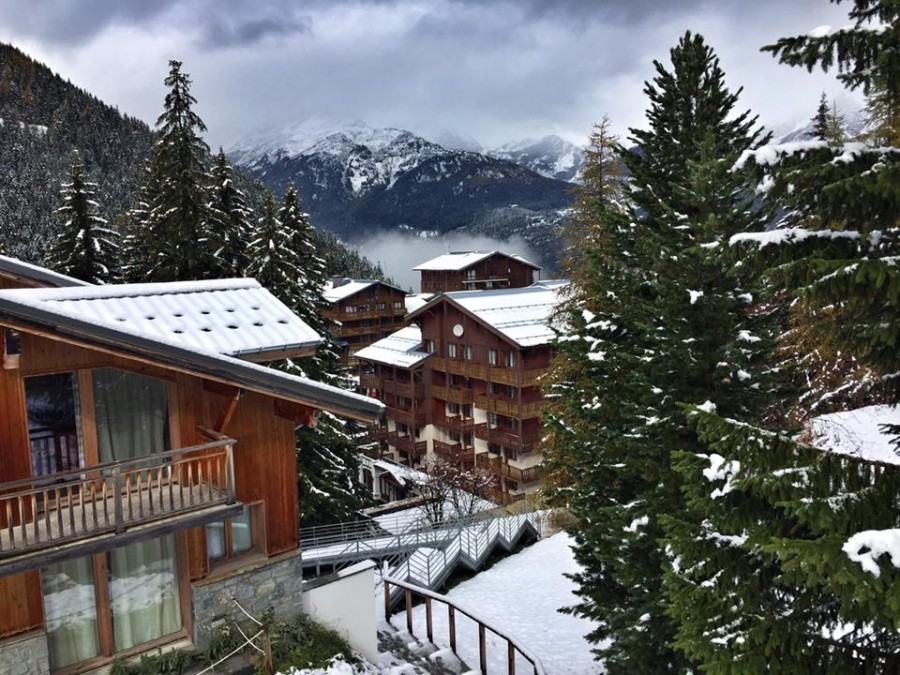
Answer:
(475, 270)
(362, 311)
(147, 469)
(477, 358)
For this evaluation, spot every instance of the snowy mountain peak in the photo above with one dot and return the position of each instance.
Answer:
(549, 156)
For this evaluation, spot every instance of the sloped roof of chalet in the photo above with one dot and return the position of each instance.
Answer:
(399, 349)
(40, 275)
(460, 260)
(37, 310)
(521, 315)
(237, 317)
(334, 293)
(413, 302)
(857, 433)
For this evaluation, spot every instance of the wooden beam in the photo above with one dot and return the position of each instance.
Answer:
(228, 413)
(297, 413)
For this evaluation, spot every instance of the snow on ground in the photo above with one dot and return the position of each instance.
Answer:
(520, 595)
(858, 433)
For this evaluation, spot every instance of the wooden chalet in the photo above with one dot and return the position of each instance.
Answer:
(475, 270)
(479, 356)
(147, 468)
(363, 311)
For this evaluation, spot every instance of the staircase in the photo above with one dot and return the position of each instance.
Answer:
(421, 552)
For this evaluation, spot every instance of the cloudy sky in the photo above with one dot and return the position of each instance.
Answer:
(495, 70)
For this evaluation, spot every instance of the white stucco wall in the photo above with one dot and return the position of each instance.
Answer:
(343, 602)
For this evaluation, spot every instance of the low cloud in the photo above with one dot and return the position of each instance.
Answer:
(398, 253)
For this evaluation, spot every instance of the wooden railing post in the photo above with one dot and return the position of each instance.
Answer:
(409, 615)
(117, 499)
(482, 649)
(387, 602)
(428, 625)
(229, 458)
(510, 657)
(451, 624)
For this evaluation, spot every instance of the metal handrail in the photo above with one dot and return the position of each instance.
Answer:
(452, 607)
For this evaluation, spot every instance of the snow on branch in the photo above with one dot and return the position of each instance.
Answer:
(790, 235)
(866, 547)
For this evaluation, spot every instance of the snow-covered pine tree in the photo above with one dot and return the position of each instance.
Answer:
(762, 581)
(229, 218)
(819, 129)
(280, 255)
(168, 239)
(664, 320)
(86, 248)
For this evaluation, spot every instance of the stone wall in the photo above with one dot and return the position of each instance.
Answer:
(25, 655)
(275, 583)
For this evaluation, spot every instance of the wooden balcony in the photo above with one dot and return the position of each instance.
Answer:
(457, 423)
(409, 417)
(461, 395)
(455, 452)
(387, 315)
(93, 509)
(506, 438)
(509, 407)
(480, 371)
(498, 467)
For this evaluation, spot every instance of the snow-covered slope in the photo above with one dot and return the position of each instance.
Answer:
(549, 156)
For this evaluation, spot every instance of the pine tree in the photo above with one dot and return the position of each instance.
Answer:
(819, 129)
(664, 320)
(835, 128)
(762, 581)
(283, 260)
(86, 248)
(229, 218)
(169, 238)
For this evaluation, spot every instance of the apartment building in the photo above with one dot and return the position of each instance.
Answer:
(363, 311)
(475, 270)
(462, 382)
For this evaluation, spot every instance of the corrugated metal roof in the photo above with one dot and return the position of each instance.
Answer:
(520, 314)
(237, 317)
(401, 349)
(460, 260)
(41, 275)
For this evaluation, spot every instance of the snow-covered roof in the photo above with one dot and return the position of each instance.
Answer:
(552, 283)
(22, 270)
(334, 293)
(858, 433)
(460, 260)
(413, 302)
(522, 315)
(397, 349)
(237, 317)
(28, 308)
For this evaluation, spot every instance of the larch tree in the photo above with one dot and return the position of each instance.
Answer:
(169, 237)
(229, 218)
(665, 319)
(764, 581)
(86, 248)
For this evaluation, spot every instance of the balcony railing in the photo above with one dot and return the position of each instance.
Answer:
(49, 516)
(389, 314)
(509, 407)
(480, 371)
(460, 424)
(460, 395)
(456, 453)
(507, 439)
(410, 417)
(498, 467)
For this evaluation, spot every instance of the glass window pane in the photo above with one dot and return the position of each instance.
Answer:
(71, 612)
(131, 415)
(215, 540)
(51, 402)
(241, 531)
(143, 587)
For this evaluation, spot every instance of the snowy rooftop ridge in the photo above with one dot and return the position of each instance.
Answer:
(237, 317)
(333, 293)
(400, 348)
(460, 260)
(21, 269)
(858, 433)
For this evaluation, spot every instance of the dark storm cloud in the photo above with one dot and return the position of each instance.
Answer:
(221, 30)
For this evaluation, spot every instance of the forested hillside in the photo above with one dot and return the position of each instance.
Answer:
(44, 120)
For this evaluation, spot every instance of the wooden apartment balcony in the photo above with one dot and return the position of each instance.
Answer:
(498, 467)
(407, 444)
(83, 511)
(481, 371)
(387, 315)
(409, 417)
(457, 423)
(506, 438)
(461, 395)
(396, 387)
(509, 407)
(457, 453)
